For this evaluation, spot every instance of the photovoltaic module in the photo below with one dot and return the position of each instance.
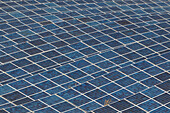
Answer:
(84, 56)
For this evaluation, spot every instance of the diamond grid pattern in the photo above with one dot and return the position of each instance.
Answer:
(77, 56)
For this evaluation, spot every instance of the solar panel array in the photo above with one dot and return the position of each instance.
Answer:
(78, 56)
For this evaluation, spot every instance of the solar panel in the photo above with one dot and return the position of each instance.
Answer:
(79, 56)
